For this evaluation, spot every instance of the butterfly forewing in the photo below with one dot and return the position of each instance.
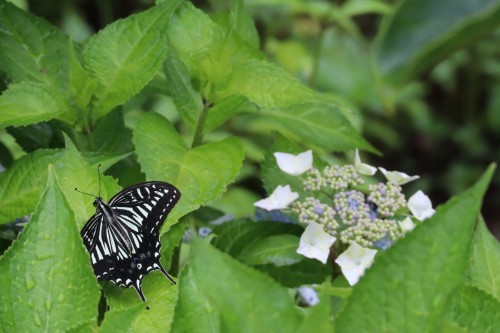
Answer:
(123, 236)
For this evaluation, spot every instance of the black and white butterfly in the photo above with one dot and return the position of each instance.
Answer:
(123, 237)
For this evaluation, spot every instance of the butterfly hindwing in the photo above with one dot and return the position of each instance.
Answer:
(123, 236)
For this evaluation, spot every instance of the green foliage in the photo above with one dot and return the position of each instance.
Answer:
(437, 30)
(29, 102)
(474, 310)
(408, 287)
(174, 93)
(484, 270)
(125, 55)
(247, 301)
(32, 49)
(200, 173)
(22, 183)
(247, 242)
(47, 273)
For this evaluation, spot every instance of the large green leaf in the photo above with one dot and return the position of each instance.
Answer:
(20, 185)
(192, 32)
(484, 270)
(178, 85)
(30, 102)
(279, 250)
(125, 55)
(201, 173)
(409, 285)
(267, 85)
(120, 320)
(474, 310)
(235, 236)
(320, 124)
(31, 49)
(423, 32)
(161, 296)
(210, 50)
(245, 301)
(47, 281)
(245, 240)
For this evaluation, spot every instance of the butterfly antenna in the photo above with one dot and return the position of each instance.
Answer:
(92, 195)
(99, 175)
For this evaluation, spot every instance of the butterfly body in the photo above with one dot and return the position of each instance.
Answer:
(123, 237)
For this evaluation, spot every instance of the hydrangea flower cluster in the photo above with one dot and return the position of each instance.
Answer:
(332, 177)
(340, 206)
(369, 218)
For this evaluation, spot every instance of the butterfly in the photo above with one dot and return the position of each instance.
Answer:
(123, 237)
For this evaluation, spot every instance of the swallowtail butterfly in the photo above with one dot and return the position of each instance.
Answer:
(123, 237)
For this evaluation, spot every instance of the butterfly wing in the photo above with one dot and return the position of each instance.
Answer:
(126, 247)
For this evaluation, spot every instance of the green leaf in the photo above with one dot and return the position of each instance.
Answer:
(225, 109)
(318, 318)
(82, 86)
(267, 85)
(484, 270)
(32, 50)
(36, 136)
(239, 22)
(280, 250)
(323, 125)
(30, 102)
(237, 201)
(357, 7)
(170, 240)
(307, 271)
(124, 56)
(20, 185)
(408, 286)
(474, 310)
(437, 30)
(191, 32)
(201, 173)
(178, 85)
(247, 301)
(120, 320)
(46, 274)
(111, 135)
(161, 297)
(235, 236)
(209, 50)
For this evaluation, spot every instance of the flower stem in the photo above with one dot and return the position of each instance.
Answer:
(198, 135)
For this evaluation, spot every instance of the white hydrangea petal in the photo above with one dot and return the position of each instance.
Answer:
(315, 243)
(363, 168)
(398, 178)
(354, 261)
(281, 197)
(308, 295)
(294, 164)
(406, 225)
(420, 206)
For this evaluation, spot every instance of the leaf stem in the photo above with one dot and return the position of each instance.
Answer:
(198, 135)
